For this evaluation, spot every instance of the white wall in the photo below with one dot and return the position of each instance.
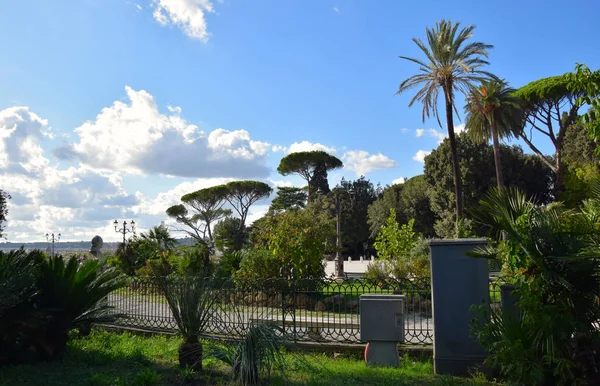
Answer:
(350, 266)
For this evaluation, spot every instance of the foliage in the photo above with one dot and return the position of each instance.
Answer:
(4, 197)
(192, 302)
(192, 261)
(256, 355)
(161, 237)
(46, 298)
(552, 255)
(242, 194)
(589, 81)
(524, 171)
(229, 264)
(310, 165)
(550, 107)
(493, 112)
(394, 241)
(199, 210)
(230, 235)
(582, 165)
(355, 198)
(288, 198)
(139, 251)
(452, 65)
(298, 239)
(258, 264)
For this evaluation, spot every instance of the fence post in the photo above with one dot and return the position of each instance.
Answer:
(457, 282)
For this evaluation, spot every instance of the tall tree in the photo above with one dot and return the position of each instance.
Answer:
(493, 112)
(551, 106)
(200, 210)
(525, 171)
(582, 165)
(355, 197)
(242, 194)
(230, 235)
(161, 236)
(584, 79)
(4, 197)
(452, 65)
(312, 166)
(288, 198)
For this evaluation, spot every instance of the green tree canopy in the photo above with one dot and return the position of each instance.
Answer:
(585, 79)
(452, 65)
(312, 166)
(241, 195)
(230, 235)
(288, 198)
(550, 107)
(524, 171)
(409, 200)
(199, 210)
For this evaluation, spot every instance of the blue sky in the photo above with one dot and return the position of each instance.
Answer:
(115, 108)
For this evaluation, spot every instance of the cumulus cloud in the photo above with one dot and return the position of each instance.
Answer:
(400, 180)
(420, 155)
(308, 146)
(362, 162)
(135, 137)
(188, 15)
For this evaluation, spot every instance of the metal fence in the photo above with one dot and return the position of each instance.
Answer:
(306, 309)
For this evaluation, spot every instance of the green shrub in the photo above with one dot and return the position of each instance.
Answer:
(553, 258)
(229, 264)
(258, 269)
(65, 294)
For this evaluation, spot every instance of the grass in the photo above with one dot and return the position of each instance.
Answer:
(108, 358)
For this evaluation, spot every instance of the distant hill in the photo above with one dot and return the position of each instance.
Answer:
(72, 246)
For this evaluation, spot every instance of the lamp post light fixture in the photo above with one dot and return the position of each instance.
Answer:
(124, 230)
(52, 238)
(339, 260)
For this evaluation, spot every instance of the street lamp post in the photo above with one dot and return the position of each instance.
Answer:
(124, 230)
(52, 238)
(339, 260)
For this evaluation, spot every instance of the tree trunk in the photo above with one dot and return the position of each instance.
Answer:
(560, 173)
(453, 149)
(190, 354)
(497, 157)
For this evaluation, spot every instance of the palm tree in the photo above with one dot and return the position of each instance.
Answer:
(452, 64)
(493, 112)
(162, 237)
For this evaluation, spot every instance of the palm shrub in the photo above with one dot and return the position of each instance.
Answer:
(18, 270)
(553, 256)
(256, 355)
(71, 295)
(192, 301)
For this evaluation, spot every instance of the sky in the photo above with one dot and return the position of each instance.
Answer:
(114, 109)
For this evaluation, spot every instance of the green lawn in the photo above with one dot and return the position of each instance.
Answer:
(108, 358)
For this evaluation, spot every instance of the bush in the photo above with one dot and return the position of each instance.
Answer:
(258, 270)
(192, 261)
(51, 297)
(297, 239)
(229, 264)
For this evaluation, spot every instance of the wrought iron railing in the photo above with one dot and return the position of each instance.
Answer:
(324, 310)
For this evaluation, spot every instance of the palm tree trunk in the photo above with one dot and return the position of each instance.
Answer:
(497, 157)
(453, 149)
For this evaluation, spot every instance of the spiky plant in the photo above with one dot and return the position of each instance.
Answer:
(192, 301)
(553, 256)
(256, 355)
(71, 295)
(18, 270)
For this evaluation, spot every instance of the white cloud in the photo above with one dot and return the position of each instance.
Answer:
(135, 137)
(336, 9)
(431, 133)
(362, 162)
(400, 180)
(420, 155)
(309, 146)
(188, 15)
(404, 130)
(437, 134)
